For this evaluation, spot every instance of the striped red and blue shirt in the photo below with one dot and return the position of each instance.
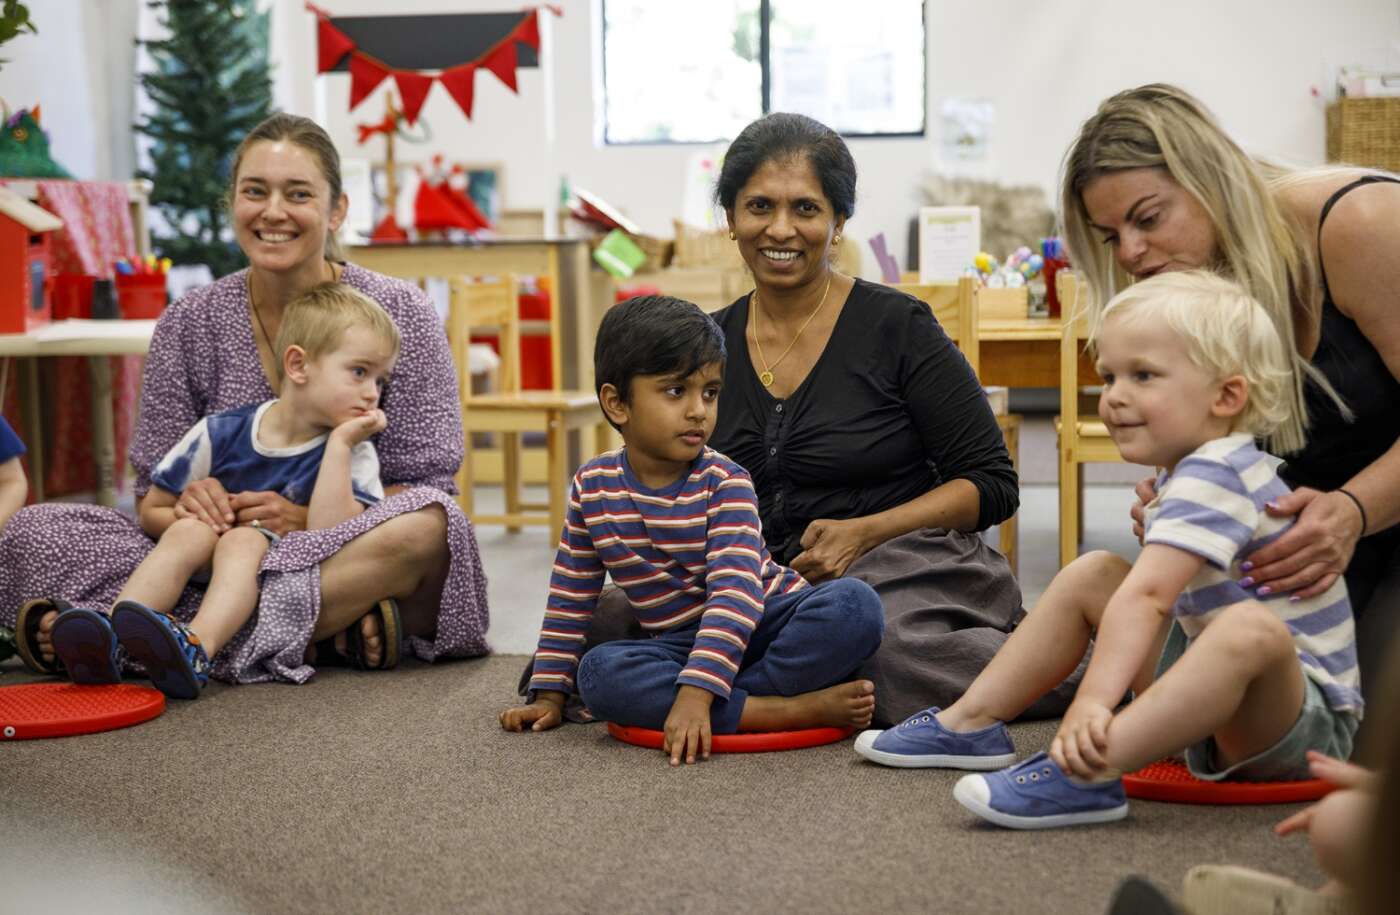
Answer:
(693, 550)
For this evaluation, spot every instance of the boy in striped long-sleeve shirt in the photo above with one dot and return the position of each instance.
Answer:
(738, 642)
(1245, 681)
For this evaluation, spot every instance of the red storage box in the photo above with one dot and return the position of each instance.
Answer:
(141, 295)
(72, 296)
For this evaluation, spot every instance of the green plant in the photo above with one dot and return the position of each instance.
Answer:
(14, 19)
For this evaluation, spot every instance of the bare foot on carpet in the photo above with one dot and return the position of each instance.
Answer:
(845, 705)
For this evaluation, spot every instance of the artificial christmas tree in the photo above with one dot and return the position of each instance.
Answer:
(210, 86)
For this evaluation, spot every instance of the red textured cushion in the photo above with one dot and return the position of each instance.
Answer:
(752, 742)
(33, 710)
(1170, 781)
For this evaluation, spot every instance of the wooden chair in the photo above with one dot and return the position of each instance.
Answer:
(1083, 439)
(510, 411)
(957, 306)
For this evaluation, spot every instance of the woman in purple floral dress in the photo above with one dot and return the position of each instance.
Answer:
(212, 351)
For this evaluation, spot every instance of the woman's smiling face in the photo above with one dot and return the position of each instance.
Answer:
(1150, 222)
(784, 223)
(282, 209)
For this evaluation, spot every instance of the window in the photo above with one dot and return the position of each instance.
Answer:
(677, 71)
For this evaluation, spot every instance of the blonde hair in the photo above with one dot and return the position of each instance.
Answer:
(317, 321)
(1258, 246)
(311, 137)
(1225, 332)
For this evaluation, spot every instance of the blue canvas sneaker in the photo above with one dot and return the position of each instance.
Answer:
(84, 641)
(920, 742)
(1038, 795)
(166, 647)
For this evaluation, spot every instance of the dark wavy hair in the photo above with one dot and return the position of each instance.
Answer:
(653, 335)
(782, 136)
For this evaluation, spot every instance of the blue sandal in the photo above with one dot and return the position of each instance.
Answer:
(84, 642)
(166, 647)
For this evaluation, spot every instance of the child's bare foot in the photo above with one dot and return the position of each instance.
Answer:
(845, 705)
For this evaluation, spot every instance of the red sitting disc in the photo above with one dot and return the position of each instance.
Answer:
(1170, 781)
(753, 742)
(62, 709)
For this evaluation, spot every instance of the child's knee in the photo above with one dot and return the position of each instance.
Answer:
(242, 541)
(1097, 565)
(859, 610)
(600, 670)
(1251, 631)
(190, 535)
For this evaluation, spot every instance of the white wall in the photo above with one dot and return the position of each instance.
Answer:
(1253, 61)
(79, 69)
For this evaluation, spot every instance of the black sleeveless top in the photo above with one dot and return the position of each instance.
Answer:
(1337, 450)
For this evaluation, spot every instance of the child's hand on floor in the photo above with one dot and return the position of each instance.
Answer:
(1344, 775)
(547, 711)
(688, 725)
(1079, 744)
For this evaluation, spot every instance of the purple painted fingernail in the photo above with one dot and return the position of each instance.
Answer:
(1293, 598)
(1247, 582)
(1265, 589)
(1246, 566)
(1273, 505)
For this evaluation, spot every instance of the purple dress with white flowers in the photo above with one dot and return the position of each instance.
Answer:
(204, 359)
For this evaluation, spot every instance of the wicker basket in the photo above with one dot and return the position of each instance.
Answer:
(705, 248)
(1365, 131)
(657, 250)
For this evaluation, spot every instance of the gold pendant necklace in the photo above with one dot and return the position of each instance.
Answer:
(766, 376)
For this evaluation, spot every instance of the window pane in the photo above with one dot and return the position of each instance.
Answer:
(858, 68)
(680, 71)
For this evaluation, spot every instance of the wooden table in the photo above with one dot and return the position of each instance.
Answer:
(1025, 353)
(565, 261)
(97, 340)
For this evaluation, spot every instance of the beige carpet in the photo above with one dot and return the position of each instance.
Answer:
(364, 792)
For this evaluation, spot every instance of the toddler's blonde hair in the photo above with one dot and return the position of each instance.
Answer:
(1225, 332)
(317, 321)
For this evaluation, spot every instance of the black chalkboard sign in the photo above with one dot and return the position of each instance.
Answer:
(431, 42)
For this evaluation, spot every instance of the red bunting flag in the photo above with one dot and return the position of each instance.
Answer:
(528, 31)
(501, 62)
(414, 89)
(460, 81)
(365, 74)
(331, 45)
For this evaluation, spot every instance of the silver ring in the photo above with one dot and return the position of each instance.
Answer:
(255, 523)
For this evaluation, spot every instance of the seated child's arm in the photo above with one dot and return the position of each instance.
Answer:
(333, 499)
(574, 585)
(156, 511)
(14, 488)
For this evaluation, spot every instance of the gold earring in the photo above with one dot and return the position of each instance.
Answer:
(732, 236)
(837, 239)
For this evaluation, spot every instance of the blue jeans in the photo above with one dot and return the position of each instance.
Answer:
(808, 640)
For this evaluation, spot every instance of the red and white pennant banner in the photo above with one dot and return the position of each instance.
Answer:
(367, 72)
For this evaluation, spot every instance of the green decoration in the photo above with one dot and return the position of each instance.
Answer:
(210, 87)
(24, 148)
(14, 19)
(618, 254)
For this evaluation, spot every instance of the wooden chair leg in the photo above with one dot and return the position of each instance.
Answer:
(1079, 512)
(1069, 508)
(510, 476)
(556, 446)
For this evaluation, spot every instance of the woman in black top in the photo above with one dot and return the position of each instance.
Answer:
(1152, 183)
(871, 444)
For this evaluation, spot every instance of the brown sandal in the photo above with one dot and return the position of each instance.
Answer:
(27, 635)
(390, 632)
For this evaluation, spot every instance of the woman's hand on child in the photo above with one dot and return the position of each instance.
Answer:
(687, 727)
(208, 501)
(547, 711)
(829, 546)
(271, 510)
(1146, 491)
(359, 429)
(1311, 554)
(1080, 743)
(1344, 775)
